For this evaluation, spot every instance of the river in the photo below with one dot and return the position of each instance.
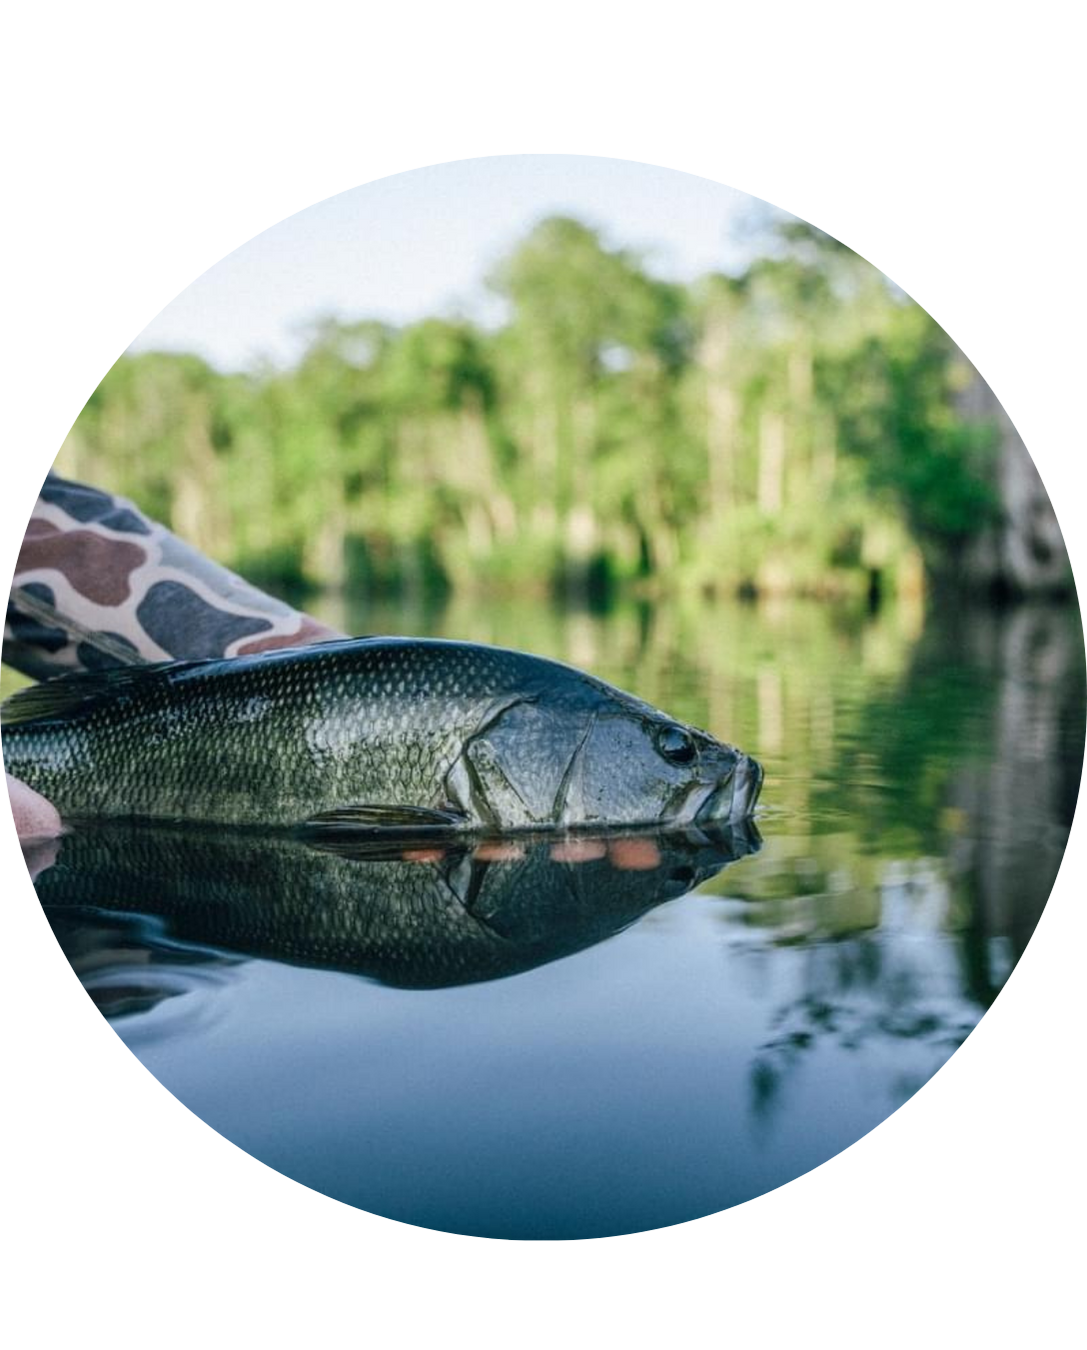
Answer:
(602, 1050)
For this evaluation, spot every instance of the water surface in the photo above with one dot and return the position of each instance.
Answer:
(528, 1045)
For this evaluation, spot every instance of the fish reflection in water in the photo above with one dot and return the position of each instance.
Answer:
(413, 913)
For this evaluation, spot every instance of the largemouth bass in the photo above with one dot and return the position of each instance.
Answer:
(369, 733)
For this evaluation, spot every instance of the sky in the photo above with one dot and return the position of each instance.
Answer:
(421, 243)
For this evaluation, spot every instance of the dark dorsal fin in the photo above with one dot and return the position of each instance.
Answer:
(80, 692)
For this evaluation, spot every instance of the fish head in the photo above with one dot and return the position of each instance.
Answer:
(600, 761)
(637, 765)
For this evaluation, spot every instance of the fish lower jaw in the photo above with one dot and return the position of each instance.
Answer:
(746, 785)
(732, 800)
(695, 806)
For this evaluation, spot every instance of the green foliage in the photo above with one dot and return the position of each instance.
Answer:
(789, 428)
(896, 413)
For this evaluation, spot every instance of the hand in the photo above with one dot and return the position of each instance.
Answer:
(35, 818)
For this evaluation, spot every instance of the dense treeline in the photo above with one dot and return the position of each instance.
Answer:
(791, 428)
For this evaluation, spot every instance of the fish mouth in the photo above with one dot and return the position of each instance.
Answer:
(732, 799)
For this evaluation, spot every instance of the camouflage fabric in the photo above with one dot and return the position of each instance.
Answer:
(98, 584)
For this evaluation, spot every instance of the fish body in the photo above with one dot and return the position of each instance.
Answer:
(369, 733)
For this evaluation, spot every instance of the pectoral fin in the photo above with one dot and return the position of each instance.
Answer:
(366, 819)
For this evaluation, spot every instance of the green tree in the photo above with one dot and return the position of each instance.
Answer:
(895, 395)
(792, 427)
(587, 367)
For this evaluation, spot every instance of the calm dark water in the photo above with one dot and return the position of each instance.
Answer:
(525, 1046)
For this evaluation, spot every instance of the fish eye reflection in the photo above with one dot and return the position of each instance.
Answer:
(413, 912)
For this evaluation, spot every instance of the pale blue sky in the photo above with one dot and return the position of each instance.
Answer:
(421, 243)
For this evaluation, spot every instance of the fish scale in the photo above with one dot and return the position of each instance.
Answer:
(376, 726)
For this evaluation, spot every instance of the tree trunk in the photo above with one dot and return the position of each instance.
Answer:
(721, 418)
(771, 462)
(1023, 553)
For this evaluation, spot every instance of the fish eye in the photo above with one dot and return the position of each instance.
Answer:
(676, 745)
